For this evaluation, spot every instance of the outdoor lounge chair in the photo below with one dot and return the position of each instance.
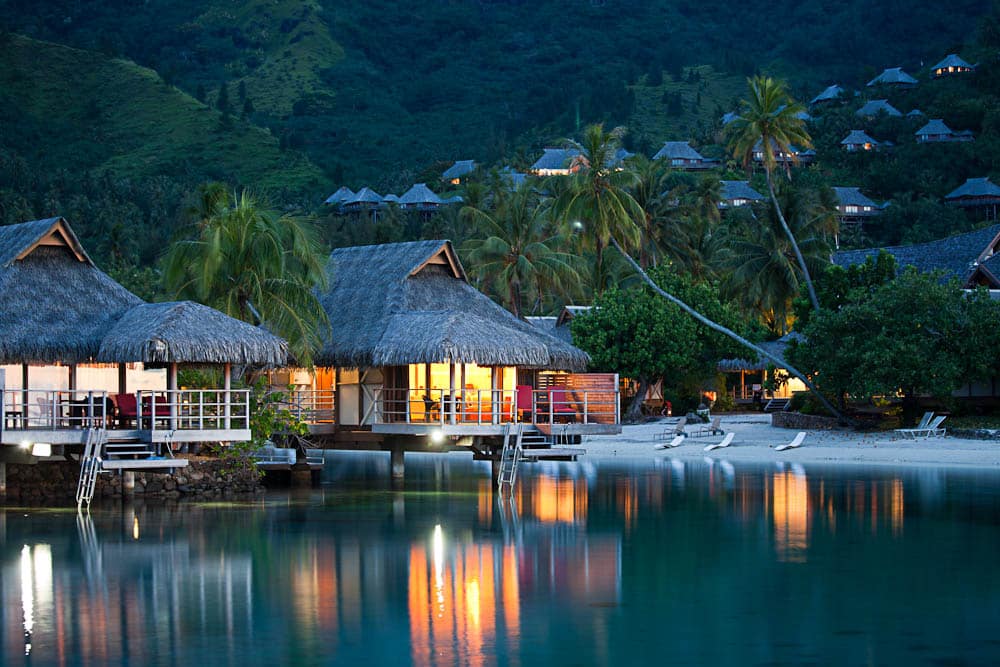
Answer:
(797, 442)
(932, 428)
(728, 440)
(559, 405)
(677, 430)
(712, 429)
(676, 442)
(523, 403)
(921, 426)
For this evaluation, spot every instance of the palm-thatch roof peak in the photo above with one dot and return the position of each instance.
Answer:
(19, 240)
(410, 303)
(188, 332)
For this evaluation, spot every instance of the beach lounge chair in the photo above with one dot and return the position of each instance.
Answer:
(678, 429)
(676, 442)
(714, 428)
(935, 426)
(797, 442)
(932, 428)
(920, 427)
(728, 440)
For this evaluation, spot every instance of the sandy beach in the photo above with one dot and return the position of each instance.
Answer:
(755, 440)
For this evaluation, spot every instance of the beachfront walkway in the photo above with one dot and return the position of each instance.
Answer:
(755, 440)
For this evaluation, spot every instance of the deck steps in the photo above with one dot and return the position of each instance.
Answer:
(132, 450)
(777, 405)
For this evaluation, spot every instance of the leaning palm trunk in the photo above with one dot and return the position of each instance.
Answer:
(795, 245)
(728, 332)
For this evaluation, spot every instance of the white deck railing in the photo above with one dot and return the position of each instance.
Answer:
(54, 409)
(193, 410)
(312, 406)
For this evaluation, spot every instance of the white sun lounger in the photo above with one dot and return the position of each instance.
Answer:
(728, 440)
(933, 428)
(797, 442)
(676, 442)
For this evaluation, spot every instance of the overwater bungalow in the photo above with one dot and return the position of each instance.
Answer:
(81, 354)
(951, 65)
(418, 356)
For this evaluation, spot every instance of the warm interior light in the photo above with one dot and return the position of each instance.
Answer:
(25, 445)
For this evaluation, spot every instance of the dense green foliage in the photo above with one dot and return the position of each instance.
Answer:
(910, 335)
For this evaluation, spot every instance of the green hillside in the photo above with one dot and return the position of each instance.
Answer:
(83, 111)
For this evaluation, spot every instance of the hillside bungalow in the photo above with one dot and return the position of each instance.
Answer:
(728, 118)
(976, 193)
(420, 198)
(76, 350)
(873, 108)
(894, 77)
(935, 131)
(853, 210)
(458, 171)
(970, 258)
(951, 65)
(512, 178)
(566, 161)
(680, 155)
(830, 94)
(416, 354)
(558, 325)
(793, 156)
(738, 193)
(858, 141)
(746, 378)
(340, 196)
(916, 113)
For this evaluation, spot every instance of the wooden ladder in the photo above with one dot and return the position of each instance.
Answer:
(510, 457)
(90, 466)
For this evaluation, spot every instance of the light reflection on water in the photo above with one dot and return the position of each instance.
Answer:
(704, 563)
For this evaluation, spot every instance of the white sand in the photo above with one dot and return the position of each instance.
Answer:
(756, 439)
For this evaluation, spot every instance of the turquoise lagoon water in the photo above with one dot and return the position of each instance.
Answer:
(664, 563)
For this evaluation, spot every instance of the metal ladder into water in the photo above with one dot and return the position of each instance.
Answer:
(510, 456)
(90, 465)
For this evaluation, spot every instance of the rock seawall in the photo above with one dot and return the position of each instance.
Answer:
(203, 478)
(799, 421)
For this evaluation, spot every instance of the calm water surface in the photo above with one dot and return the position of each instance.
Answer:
(648, 563)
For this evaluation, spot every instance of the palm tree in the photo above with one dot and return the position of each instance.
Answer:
(596, 199)
(619, 220)
(516, 253)
(769, 119)
(252, 264)
(649, 190)
(761, 269)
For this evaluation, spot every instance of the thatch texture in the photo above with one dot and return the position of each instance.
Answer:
(55, 305)
(389, 305)
(188, 332)
(775, 347)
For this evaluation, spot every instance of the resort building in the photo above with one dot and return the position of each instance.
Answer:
(511, 178)
(680, 155)
(738, 193)
(747, 380)
(786, 158)
(858, 141)
(875, 107)
(853, 208)
(418, 357)
(340, 196)
(420, 198)
(894, 77)
(558, 325)
(566, 161)
(86, 361)
(832, 93)
(459, 171)
(976, 193)
(950, 66)
(970, 258)
(936, 131)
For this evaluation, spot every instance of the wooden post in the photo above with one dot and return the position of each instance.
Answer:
(122, 379)
(451, 393)
(227, 383)
(128, 482)
(172, 395)
(24, 395)
(72, 377)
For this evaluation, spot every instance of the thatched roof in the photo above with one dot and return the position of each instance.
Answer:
(831, 93)
(975, 187)
(459, 169)
(678, 150)
(956, 256)
(893, 76)
(952, 60)
(875, 107)
(410, 303)
(419, 195)
(934, 127)
(188, 332)
(852, 197)
(775, 347)
(858, 138)
(340, 196)
(732, 190)
(55, 304)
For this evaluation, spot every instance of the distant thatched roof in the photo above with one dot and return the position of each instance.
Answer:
(678, 150)
(957, 256)
(774, 347)
(187, 332)
(459, 169)
(975, 187)
(408, 303)
(732, 190)
(852, 197)
(893, 76)
(340, 196)
(858, 138)
(55, 304)
(555, 158)
(419, 195)
(952, 60)
(831, 93)
(875, 107)
(934, 127)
